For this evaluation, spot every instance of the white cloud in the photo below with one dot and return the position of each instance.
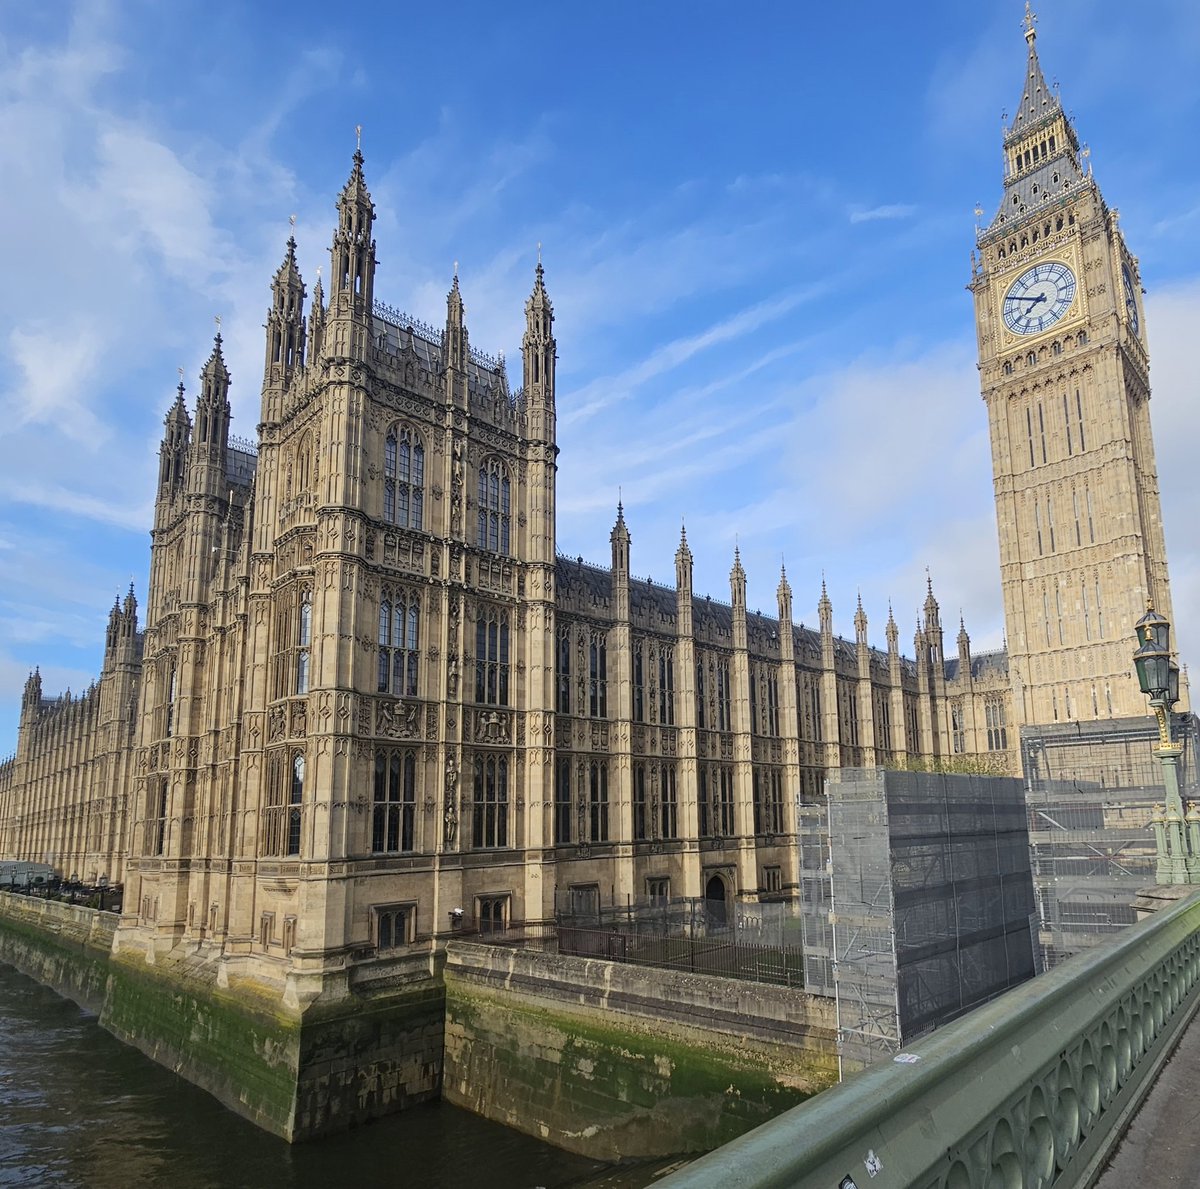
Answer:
(893, 210)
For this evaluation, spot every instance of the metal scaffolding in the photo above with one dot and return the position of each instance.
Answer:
(918, 901)
(1091, 788)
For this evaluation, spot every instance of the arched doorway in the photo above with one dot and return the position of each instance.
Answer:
(715, 907)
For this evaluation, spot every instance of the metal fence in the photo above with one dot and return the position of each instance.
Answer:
(104, 897)
(759, 943)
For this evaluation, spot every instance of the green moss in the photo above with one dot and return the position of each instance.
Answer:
(604, 1087)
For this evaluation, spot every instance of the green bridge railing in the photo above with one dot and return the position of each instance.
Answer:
(1030, 1091)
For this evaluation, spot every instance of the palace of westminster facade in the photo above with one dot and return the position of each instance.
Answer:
(370, 696)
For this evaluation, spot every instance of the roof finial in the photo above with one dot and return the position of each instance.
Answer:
(217, 320)
(358, 129)
(292, 221)
(539, 253)
(1030, 22)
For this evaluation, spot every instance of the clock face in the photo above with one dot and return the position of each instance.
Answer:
(1039, 297)
(1130, 300)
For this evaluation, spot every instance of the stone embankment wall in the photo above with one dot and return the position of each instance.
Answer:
(353, 1054)
(600, 1058)
(618, 1061)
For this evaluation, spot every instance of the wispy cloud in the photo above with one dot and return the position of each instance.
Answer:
(872, 214)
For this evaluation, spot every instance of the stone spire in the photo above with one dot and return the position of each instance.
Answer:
(285, 321)
(455, 338)
(316, 320)
(1037, 100)
(212, 405)
(964, 648)
(620, 539)
(538, 349)
(352, 282)
(891, 631)
(860, 622)
(737, 581)
(683, 562)
(825, 612)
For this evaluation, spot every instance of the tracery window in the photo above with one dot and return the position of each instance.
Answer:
(958, 726)
(293, 641)
(562, 801)
(668, 804)
(666, 687)
(489, 822)
(399, 643)
(641, 828)
(394, 817)
(997, 728)
(598, 800)
(283, 814)
(404, 478)
(495, 507)
(768, 801)
(639, 683)
(562, 670)
(491, 657)
(724, 702)
(598, 675)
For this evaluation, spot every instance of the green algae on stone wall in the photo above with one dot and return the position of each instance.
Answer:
(608, 1084)
(343, 1060)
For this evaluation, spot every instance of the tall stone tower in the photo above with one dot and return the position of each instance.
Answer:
(1064, 370)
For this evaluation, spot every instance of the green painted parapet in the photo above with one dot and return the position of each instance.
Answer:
(1032, 1090)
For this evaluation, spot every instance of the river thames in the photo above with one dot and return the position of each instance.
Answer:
(80, 1109)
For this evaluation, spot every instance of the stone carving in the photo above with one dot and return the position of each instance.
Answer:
(450, 816)
(491, 726)
(398, 720)
(299, 720)
(452, 674)
(276, 724)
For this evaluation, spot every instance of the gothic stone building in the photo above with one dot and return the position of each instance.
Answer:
(372, 701)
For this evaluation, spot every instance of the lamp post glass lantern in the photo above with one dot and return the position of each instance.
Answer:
(1158, 677)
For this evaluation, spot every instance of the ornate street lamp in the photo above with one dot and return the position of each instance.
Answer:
(1158, 676)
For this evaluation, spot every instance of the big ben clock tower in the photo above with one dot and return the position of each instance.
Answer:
(1064, 370)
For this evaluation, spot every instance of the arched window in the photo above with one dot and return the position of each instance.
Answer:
(491, 657)
(303, 642)
(304, 464)
(598, 800)
(399, 643)
(404, 478)
(1082, 337)
(1008, 367)
(598, 675)
(295, 803)
(392, 827)
(495, 507)
(489, 825)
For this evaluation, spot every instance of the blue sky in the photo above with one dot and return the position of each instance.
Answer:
(756, 227)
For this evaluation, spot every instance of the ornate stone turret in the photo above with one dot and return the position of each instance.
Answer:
(455, 343)
(352, 280)
(212, 409)
(539, 359)
(620, 540)
(860, 624)
(172, 454)
(316, 321)
(964, 650)
(285, 323)
(683, 564)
